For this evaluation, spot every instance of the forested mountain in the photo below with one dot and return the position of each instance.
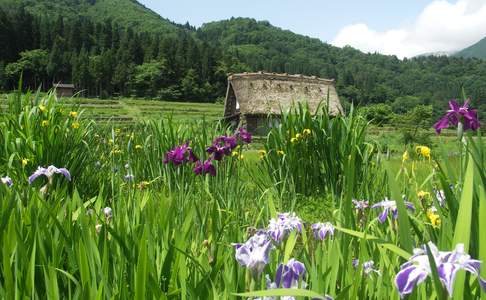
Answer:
(477, 50)
(118, 47)
(124, 12)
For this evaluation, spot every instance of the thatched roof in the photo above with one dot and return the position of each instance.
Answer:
(269, 93)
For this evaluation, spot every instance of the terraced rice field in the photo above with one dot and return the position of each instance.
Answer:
(128, 111)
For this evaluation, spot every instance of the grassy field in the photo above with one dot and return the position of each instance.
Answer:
(127, 111)
(186, 209)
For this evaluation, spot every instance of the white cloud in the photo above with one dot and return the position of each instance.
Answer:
(441, 26)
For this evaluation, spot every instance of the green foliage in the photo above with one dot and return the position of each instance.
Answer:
(303, 156)
(170, 233)
(31, 67)
(414, 125)
(404, 104)
(379, 114)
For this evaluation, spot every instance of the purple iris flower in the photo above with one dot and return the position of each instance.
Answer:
(254, 253)
(222, 146)
(390, 206)
(244, 135)
(49, 173)
(368, 267)
(129, 177)
(440, 196)
(321, 230)
(108, 212)
(289, 275)
(206, 167)
(361, 204)
(457, 114)
(7, 181)
(279, 227)
(218, 152)
(417, 268)
(180, 155)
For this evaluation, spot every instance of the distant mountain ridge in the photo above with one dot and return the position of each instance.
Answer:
(477, 50)
(120, 47)
(128, 12)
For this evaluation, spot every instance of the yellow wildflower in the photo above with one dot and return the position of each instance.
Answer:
(117, 131)
(75, 125)
(143, 184)
(116, 151)
(73, 114)
(423, 151)
(405, 156)
(42, 108)
(241, 157)
(298, 136)
(306, 132)
(423, 194)
(280, 152)
(45, 123)
(235, 153)
(294, 140)
(262, 153)
(434, 218)
(24, 161)
(138, 147)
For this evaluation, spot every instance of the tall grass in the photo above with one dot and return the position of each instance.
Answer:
(170, 234)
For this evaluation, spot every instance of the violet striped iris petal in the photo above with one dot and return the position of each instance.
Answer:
(321, 230)
(280, 227)
(390, 206)
(360, 204)
(254, 253)
(289, 275)
(7, 181)
(417, 269)
(49, 172)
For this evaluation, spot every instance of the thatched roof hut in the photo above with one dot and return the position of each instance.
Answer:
(64, 90)
(252, 97)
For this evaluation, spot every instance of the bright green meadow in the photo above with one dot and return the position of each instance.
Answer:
(170, 232)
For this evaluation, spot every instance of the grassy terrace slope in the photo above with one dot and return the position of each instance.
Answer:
(128, 111)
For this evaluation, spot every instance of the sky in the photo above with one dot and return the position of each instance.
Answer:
(405, 28)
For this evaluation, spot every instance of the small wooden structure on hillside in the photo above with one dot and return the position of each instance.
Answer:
(64, 90)
(256, 100)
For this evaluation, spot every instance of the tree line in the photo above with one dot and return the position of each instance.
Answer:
(104, 58)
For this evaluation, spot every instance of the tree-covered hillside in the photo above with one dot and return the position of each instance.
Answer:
(104, 57)
(361, 78)
(124, 12)
(118, 47)
(477, 50)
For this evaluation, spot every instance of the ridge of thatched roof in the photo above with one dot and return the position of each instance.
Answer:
(271, 93)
